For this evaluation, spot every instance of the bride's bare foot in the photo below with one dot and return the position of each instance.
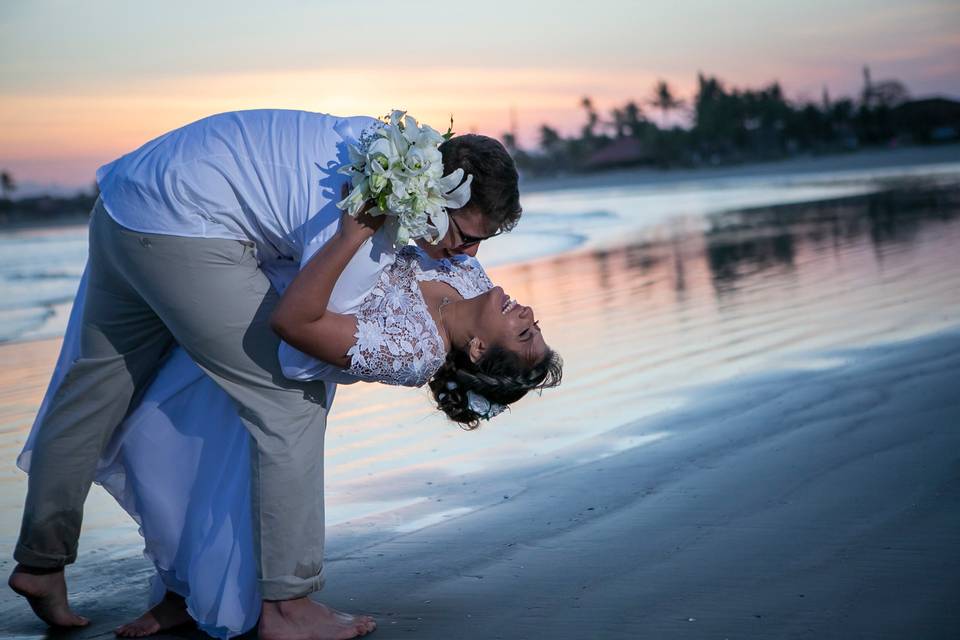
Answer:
(169, 613)
(304, 619)
(47, 594)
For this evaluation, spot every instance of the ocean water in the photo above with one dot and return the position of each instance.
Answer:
(655, 296)
(40, 268)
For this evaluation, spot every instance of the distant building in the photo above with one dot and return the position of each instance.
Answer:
(622, 152)
(928, 120)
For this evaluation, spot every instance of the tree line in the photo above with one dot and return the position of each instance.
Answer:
(729, 125)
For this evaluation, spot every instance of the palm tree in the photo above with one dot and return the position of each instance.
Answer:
(592, 118)
(664, 99)
(618, 123)
(550, 140)
(633, 118)
(627, 121)
(7, 185)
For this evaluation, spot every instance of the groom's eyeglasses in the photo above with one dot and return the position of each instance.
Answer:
(467, 240)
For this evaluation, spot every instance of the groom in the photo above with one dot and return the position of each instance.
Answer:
(176, 243)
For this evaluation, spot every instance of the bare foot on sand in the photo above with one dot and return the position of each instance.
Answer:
(169, 613)
(47, 594)
(304, 619)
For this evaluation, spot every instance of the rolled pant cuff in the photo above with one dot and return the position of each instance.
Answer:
(32, 558)
(291, 587)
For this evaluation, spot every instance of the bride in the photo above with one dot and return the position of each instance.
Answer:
(177, 464)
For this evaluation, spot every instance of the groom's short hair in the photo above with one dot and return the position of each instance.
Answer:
(494, 189)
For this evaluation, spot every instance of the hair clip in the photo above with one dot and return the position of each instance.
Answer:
(483, 407)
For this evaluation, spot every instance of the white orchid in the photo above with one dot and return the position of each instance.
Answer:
(397, 164)
(417, 161)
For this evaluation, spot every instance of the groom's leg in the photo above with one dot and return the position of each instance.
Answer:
(121, 343)
(217, 303)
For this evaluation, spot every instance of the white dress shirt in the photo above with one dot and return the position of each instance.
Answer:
(266, 175)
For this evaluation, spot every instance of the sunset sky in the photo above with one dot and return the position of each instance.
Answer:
(84, 82)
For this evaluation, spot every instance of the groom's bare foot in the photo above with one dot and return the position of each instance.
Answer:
(304, 619)
(169, 613)
(46, 592)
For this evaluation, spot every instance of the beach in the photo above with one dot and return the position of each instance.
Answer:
(756, 437)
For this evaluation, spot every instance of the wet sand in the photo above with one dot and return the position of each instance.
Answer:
(757, 438)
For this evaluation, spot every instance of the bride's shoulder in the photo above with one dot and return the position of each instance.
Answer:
(462, 272)
(455, 263)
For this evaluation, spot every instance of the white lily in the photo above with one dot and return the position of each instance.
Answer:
(440, 220)
(459, 196)
(429, 137)
(396, 116)
(385, 150)
(378, 182)
(400, 144)
(410, 130)
(450, 181)
(353, 202)
(416, 161)
(455, 196)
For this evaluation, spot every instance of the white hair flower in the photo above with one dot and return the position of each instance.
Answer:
(483, 407)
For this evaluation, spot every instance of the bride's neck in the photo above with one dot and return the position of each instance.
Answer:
(457, 320)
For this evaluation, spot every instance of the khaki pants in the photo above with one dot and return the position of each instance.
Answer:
(145, 292)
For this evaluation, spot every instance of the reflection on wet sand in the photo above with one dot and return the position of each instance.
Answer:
(637, 324)
(742, 243)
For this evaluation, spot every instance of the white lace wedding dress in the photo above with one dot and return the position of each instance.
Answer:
(179, 463)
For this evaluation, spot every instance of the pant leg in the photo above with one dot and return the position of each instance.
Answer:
(217, 303)
(121, 345)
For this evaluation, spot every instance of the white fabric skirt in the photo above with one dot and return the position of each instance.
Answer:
(179, 465)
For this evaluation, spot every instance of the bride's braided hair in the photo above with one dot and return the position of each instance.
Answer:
(501, 376)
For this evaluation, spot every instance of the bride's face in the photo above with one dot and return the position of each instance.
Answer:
(500, 320)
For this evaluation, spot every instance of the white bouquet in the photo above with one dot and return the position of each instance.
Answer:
(398, 165)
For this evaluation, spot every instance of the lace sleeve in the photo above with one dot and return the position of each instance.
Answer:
(397, 340)
(463, 273)
(481, 280)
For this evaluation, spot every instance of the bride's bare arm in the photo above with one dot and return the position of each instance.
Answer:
(301, 317)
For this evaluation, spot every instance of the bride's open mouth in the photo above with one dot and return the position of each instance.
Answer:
(508, 304)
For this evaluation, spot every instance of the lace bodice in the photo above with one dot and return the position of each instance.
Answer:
(397, 339)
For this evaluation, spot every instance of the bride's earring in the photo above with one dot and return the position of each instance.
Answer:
(475, 348)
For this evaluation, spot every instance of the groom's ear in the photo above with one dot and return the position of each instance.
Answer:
(476, 349)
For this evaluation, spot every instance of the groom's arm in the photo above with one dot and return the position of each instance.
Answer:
(301, 317)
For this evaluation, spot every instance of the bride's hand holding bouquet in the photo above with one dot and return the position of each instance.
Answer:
(356, 228)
